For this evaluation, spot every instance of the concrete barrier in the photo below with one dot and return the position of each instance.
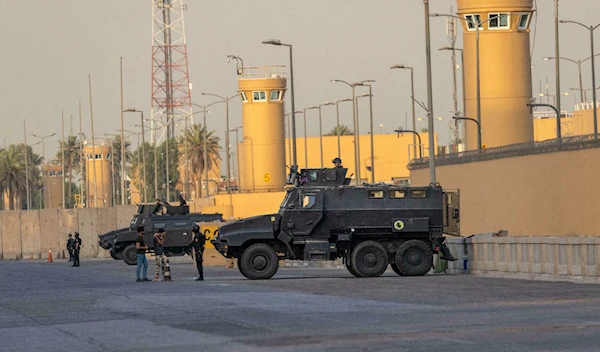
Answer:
(574, 259)
(11, 234)
(50, 235)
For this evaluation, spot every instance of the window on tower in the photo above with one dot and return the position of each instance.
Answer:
(498, 21)
(243, 97)
(471, 20)
(275, 95)
(524, 21)
(259, 96)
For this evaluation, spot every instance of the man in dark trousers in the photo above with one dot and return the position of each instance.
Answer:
(198, 246)
(70, 243)
(76, 249)
(140, 253)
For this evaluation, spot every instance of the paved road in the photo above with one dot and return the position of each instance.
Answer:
(99, 307)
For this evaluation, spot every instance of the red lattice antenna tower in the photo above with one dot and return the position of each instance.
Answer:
(170, 79)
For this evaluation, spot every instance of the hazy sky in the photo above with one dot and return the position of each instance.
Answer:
(50, 46)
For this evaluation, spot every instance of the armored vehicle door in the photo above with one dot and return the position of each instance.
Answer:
(179, 233)
(452, 213)
(303, 215)
(151, 229)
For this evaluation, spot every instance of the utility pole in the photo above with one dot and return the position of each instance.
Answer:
(93, 144)
(451, 35)
(430, 128)
(557, 55)
(82, 160)
(122, 142)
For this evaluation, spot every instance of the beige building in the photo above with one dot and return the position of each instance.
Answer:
(53, 186)
(98, 176)
(505, 70)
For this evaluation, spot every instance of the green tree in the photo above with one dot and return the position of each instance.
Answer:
(72, 161)
(136, 171)
(12, 173)
(341, 130)
(193, 137)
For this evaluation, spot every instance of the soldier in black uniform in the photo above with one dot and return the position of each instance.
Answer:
(198, 247)
(70, 243)
(76, 249)
(337, 162)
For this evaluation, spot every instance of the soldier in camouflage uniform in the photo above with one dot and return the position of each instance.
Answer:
(198, 247)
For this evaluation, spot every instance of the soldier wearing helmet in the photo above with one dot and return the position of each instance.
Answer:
(198, 246)
(337, 162)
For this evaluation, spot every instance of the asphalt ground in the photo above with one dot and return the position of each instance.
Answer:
(99, 307)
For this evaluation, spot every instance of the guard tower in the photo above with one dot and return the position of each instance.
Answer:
(505, 70)
(262, 150)
(53, 186)
(98, 163)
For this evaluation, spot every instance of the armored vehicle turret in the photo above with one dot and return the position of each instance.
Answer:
(369, 226)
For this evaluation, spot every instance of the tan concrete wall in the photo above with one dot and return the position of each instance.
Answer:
(11, 234)
(50, 235)
(88, 224)
(67, 224)
(124, 215)
(537, 195)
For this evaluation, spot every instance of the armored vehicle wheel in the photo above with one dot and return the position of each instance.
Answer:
(259, 262)
(116, 256)
(129, 255)
(352, 270)
(396, 269)
(414, 258)
(369, 259)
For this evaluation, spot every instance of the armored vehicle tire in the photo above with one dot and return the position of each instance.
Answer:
(414, 258)
(129, 255)
(369, 259)
(116, 256)
(395, 268)
(352, 270)
(259, 262)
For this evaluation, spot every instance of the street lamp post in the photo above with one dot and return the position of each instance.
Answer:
(578, 63)
(226, 100)
(414, 133)
(412, 96)
(43, 138)
(462, 68)
(321, 130)
(371, 132)
(279, 43)
(356, 129)
(305, 136)
(237, 144)
(337, 127)
(553, 96)
(591, 29)
(144, 152)
(289, 130)
(478, 128)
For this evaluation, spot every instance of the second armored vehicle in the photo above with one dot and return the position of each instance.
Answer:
(176, 220)
(369, 226)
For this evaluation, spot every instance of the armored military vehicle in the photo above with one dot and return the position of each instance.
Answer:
(176, 220)
(323, 218)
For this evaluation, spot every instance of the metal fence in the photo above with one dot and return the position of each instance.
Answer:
(511, 151)
(263, 72)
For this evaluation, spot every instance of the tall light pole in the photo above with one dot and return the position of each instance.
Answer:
(337, 126)
(356, 129)
(464, 95)
(226, 100)
(578, 63)
(305, 136)
(43, 138)
(122, 141)
(321, 130)
(412, 98)
(279, 43)
(371, 127)
(204, 112)
(144, 152)
(557, 62)
(237, 144)
(591, 29)
(371, 134)
(290, 133)
(62, 152)
(430, 131)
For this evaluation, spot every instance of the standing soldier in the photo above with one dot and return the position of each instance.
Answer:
(70, 243)
(159, 240)
(76, 249)
(198, 246)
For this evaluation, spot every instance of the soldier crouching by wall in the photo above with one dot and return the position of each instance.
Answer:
(198, 246)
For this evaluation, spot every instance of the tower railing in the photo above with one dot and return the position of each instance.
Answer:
(263, 72)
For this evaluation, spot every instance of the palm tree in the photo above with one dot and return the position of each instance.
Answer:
(340, 130)
(194, 138)
(72, 159)
(12, 173)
